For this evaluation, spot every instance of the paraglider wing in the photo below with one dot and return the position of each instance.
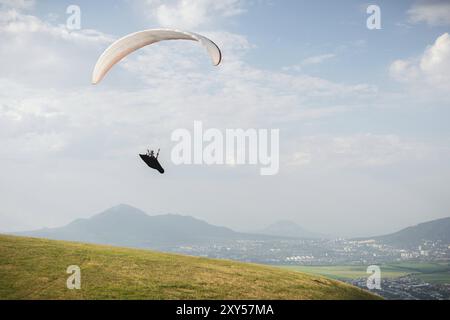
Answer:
(132, 42)
(152, 162)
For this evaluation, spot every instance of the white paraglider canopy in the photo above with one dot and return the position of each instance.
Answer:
(132, 42)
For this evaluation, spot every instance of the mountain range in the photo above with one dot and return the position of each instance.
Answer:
(124, 225)
(436, 230)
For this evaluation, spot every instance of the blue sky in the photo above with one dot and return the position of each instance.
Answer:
(363, 114)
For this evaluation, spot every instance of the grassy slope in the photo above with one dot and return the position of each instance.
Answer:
(36, 269)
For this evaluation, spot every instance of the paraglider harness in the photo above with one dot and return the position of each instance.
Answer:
(152, 161)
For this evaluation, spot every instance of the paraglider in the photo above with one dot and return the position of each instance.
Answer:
(152, 161)
(132, 42)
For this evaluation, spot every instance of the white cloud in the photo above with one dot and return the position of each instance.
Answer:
(432, 12)
(435, 62)
(18, 4)
(38, 52)
(318, 59)
(191, 14)
(238, 90)
(313, 60)
(432, 67)
(13, 22)
(171, 84)
(404, 70)
(357, 150)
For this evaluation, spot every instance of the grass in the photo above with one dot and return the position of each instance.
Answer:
(33, 268)
(346, 272)
(440, 278)
(430, 272)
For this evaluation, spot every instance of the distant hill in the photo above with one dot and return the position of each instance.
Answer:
(124, 225)
(36, 269)
(413, 236)
(285, 228)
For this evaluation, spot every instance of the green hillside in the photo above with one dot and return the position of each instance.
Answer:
(33, 268)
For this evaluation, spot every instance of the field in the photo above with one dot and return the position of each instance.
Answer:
(430, 272)
(36, 269)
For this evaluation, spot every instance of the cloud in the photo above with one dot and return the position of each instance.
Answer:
(404, 70)
(432, 12)
(44, 54)
(435, 62)
(432, 67)
(313, 60)
(318, 59)
(13, 22)
(356, 151)
(18, 4)
(180, 74)
(47, 106)
(171, 85)
(193, 14)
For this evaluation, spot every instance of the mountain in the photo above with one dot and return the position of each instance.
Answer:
(290, 229)
(36, 269)
(414, 236)
(125, 225)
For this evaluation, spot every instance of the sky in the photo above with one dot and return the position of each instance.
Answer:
(363, 113)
